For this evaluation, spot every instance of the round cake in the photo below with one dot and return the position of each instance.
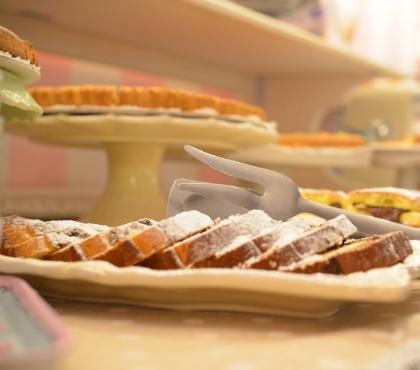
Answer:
(99, 99)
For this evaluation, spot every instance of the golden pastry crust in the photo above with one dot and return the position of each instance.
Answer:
(403, 199)
(349, 206)
(413, 139)
(146, 97)
(321, 139)
(405, 141)
(410, 219)
(17, 47)
(72, 95)
(325, 196)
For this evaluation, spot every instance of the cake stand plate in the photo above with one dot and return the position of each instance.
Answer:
(276, 155)
(404, 158)
(135, 146)
(28, 72)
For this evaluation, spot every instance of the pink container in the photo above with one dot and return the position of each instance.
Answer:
(31, 334)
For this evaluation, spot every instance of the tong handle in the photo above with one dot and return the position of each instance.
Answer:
(365, 224)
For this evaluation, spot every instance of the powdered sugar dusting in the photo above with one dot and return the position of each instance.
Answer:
(72, 232)
(252, 223)
(286, 232)
(343, 223)
(301, 239)
(124, 231)
(60, 232)
(38, 227)
(291, 230)
(393, 246)
(61, 239)
(237, 242)
(184, 224)
(63, 225)
(206, 244)
(328, 235)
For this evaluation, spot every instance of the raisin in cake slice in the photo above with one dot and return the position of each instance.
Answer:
(244, 248)
(156, 237)
(56, 235)
(292, 246)
(360, 255)
(100, 242)
(203, 245)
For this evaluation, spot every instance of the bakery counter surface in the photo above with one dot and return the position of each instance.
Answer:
(119, 337)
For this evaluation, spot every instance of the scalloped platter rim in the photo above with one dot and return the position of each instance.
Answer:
(270, 292)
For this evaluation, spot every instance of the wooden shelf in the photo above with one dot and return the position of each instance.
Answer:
(214, 33)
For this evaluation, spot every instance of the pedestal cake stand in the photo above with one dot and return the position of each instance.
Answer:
(135, 146)
(403, 157)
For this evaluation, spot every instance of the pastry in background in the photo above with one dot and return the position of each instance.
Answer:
(389, 203)
(334, 198)
(413, 139)
(17, 59)
(407, 141)
(102, 99)
(321, 139)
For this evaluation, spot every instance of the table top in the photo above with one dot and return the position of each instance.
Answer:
(111, 336)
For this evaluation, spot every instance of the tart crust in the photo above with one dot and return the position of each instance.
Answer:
(321, 139)
(147, 97)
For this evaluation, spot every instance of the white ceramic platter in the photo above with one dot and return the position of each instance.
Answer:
(216, 289)
(309, 157)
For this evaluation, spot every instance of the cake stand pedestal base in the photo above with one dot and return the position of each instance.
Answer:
(135, 146)
(133, 189)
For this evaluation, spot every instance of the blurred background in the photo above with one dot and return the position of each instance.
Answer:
(313, 65)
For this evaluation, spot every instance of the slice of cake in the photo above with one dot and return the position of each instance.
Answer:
(203, 245)
(360, 255)
(100, 242)
(293, 246)
(48, 237)
(156, 237)
(244, 248)
(16, 230)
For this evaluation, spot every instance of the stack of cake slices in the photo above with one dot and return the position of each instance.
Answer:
(303, 244)
(389, 203)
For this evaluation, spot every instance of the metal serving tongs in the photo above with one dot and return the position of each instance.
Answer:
(281, 198)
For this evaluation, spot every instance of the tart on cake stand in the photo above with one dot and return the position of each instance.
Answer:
(135, 133)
